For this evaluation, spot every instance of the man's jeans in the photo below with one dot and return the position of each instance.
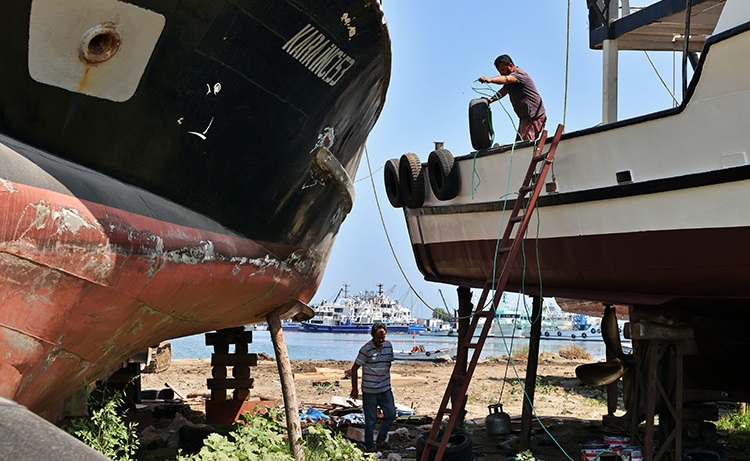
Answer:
(370, 402)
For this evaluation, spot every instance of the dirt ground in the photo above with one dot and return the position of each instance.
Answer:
(419, 385)
(571, 411)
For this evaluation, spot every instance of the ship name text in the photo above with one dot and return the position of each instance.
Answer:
(321, 57)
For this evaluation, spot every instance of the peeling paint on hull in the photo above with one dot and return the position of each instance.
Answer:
(79, 299)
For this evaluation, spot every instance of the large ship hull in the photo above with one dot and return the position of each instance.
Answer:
(193, 180)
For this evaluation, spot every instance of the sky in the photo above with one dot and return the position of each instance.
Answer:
(440, 49)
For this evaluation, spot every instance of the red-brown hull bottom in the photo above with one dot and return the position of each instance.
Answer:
(83, 287)
(644, 268)
(696, 278)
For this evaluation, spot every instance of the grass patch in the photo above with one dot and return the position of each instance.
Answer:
(737, 425)
(574, 352)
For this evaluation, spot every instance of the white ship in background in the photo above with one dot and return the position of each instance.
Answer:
(358, 312)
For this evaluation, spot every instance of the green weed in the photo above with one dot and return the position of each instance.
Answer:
(262, 437)
(105, 431)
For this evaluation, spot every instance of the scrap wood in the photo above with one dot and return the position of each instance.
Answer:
(345, 401)
(356, 403)
(176, 391)
(345, 411)
(320, 374)
(414, 419)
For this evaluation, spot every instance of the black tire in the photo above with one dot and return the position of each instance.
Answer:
(392, 187)
(559, 333)
(444, 179)
(583, 335)
(546, 333)
(593, 331)
(480, 123)
(459, 447)
(411, 180)
(427, 354)
(573, 336)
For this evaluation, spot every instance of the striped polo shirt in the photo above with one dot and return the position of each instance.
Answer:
(376, 367)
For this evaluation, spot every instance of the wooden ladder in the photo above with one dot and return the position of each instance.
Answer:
(507, 250)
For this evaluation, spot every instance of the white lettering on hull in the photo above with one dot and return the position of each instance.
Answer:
(319, 55)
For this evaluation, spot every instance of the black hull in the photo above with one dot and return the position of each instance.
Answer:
(193, 184)
(252, 171)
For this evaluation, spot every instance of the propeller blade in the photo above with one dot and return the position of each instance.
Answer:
(601, 373)
(611, 333)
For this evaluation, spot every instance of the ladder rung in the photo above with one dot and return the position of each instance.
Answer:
(528, 188)
(503, 249)
(516, 219)
(540, 157)
(486, 314)
(434, 443)
(471, 345)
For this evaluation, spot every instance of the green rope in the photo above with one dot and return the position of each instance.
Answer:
(523, 252)
(661, 79)
(567, 60)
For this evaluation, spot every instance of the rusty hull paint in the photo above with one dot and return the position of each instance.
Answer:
(83, 287)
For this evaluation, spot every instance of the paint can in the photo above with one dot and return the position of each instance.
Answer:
(591, 450)
(615, 442)
(631, 453)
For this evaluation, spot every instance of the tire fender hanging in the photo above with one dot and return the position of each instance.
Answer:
(443, 173)
(392, 187)
(411, 180)
(480, 123)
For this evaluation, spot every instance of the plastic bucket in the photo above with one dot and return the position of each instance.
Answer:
(591, 450)
(615, 443)
(631, 453)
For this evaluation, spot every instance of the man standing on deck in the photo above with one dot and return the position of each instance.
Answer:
(527, 103)
(375, 358)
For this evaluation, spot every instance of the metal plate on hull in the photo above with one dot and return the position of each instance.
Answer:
(61, 33)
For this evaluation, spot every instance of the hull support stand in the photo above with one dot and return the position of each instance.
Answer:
(659, 387)
(531, 370)
(293, 424)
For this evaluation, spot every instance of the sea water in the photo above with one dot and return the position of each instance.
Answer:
(344, 346)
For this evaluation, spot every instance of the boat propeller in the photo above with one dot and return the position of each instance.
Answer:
(603, 373)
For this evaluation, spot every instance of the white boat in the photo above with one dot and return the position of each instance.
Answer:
(419, 353)
(509, 323)
(437, 327)
(632, 203)
(649, 212)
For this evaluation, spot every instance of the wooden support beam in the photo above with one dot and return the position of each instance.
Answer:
(291, 407)
(465, 309)
(531, 369)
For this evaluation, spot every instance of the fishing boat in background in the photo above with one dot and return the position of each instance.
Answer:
(420, 353)
(357, 313)
(170, 168)
(648, 212)
(437, 327)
